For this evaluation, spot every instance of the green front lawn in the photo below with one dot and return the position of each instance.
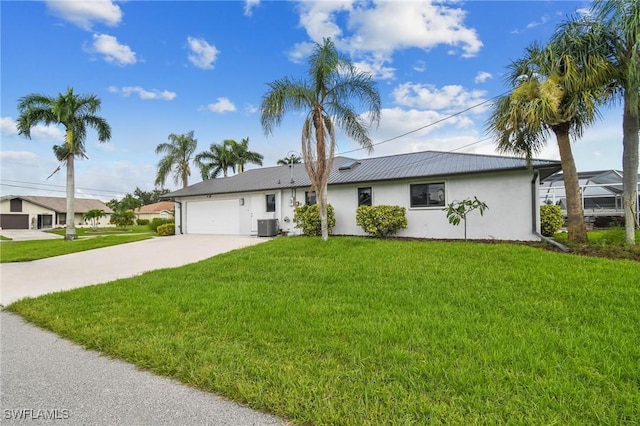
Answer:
(23, 251)
(360, 331)
(109, 230)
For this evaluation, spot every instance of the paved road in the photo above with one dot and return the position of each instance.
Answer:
(43, 375)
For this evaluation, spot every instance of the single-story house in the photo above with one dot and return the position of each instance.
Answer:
(424, 183)
(162, 210)
(34, 212)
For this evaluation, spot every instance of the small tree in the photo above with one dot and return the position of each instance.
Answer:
(93, 216)
(122, 218)
(458, 210)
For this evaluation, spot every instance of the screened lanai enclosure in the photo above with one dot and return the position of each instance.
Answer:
(601, 193)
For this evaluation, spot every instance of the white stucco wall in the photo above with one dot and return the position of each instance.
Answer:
(508, 196)
(33, 210)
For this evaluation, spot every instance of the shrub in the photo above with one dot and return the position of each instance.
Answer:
(156, 221)
(550, 220)
(307, 217)
(122, 218)
(166, 229)
(381, 221)
(142, 221)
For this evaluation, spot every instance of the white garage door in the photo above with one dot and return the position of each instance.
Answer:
(212, 217)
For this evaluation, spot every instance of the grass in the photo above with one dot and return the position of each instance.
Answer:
(3, 238)
(361, 331)
(87, 232)
(604, 243)
(23, 251)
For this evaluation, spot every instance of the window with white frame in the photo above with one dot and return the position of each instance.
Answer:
(271, 202)
(427, 194)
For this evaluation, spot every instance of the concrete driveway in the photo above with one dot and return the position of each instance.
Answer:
(28, 234)
(30, 279)
(45, 378)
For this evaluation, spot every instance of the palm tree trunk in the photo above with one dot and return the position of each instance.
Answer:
(630, 128)
(575, 213)
(70, 234)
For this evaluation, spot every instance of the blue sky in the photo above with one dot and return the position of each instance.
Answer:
(164, 67)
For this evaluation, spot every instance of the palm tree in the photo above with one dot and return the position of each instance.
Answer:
(177, 159)
(550, 94)
(622, 19)
(326, 98)
(219, 158)
(243, 155)
(94, 216)
(75, 113)
(292, 159)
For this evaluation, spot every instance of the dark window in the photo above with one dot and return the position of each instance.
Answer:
(427, 194)
(16, 205)
(271, 202)
(364, 196)
(310, 197)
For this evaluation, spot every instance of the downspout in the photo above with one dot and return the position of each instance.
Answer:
(534, 216)
(180, 203)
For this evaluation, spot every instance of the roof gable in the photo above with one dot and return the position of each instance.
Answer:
(59, 204)
(162, 206)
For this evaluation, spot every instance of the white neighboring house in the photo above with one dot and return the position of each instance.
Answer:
(262, 201)
(35, 212)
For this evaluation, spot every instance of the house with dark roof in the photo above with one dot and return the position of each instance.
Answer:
(34, 212)
(262, 201)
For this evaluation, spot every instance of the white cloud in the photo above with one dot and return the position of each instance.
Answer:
(144, 94)
(483, 76)
(85, 13)
(300, 52)
(250, 109)
(111, 50)
(203, 54)
(223, 105)
(543, 20)
(249, 5)
(446, 98)
(376, 68)
(378, 28)
(8, 126)
(40, 132)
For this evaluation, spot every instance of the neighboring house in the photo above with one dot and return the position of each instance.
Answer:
(163, 210)
(32, 212)
(601, 193)
(422, 182)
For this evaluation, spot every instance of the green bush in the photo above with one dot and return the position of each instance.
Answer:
(122, 218)
(156, 221)
(142, 222)
(550, 219)
(167, 229)
(307, 217)
(381, 221)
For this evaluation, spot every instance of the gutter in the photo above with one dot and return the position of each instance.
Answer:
(534, 216)
(180, 203)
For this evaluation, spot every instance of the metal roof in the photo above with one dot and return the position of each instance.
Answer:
(426, 164)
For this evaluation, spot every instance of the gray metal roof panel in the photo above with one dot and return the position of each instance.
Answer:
(402, 166)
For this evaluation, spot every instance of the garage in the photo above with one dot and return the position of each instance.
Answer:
(14, 221)
(218, 217)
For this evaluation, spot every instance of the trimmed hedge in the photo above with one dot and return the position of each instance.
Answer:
(156, 221)
(550, 219)
(307, 218)
(167, 229)
(381, 221)
(142, 222)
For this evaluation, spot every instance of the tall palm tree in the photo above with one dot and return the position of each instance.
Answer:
(549, 96)
(75, 113)
(177, 160)
(292, 159)
(326, 98)
(622, 19)
(244, 156)
(219, 158)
